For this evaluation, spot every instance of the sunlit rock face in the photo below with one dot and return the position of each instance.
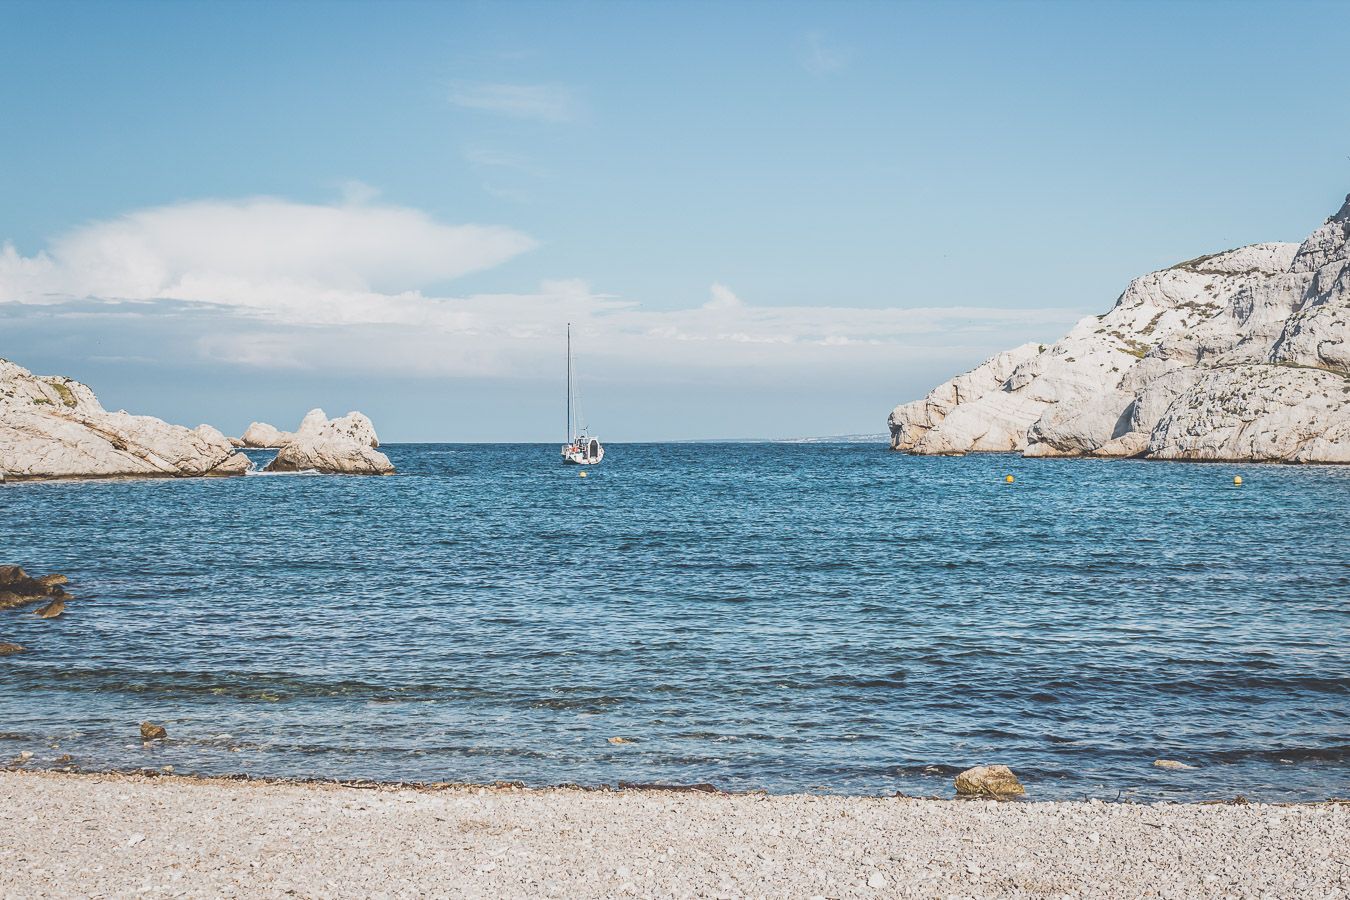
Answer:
(343, 446)
(263, 435)
(1241, 355)
(54, 427)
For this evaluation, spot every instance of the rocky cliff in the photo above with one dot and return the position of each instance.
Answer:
(54, 427)
(1242, 355)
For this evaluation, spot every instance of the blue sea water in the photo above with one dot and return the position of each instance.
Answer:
(791, 617)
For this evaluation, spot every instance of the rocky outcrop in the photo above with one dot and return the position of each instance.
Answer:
(345, 445)
(18, 588)
(1241, 355)
(262, 435)
(54, 427)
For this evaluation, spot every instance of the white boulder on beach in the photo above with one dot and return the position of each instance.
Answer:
(1242, 355)
(346, 445)
(54, 427)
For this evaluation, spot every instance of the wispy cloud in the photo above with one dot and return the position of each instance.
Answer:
(481, 157)
(506, 192)
(509, 172)
(539, 102)
(821, 56)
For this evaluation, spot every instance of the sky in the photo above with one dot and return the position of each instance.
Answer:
(762, 219)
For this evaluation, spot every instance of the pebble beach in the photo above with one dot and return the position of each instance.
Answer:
(135, 835)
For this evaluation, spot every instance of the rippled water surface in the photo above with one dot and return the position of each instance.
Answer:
(789, 617)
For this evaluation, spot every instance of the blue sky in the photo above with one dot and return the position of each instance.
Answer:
(767, 219)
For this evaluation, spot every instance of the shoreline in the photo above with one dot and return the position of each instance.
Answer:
(113, 834)
(10, 478)
(1018, 454)
(150, 774)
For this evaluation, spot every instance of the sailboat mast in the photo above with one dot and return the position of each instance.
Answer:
(569, 384)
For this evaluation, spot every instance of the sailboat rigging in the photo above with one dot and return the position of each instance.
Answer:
(580, 449)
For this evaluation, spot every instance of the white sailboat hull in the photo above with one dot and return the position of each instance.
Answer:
(583, 456)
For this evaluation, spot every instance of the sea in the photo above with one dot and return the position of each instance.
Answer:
(785, 617)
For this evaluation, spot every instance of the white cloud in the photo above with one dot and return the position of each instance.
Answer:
(292, 260)
(722, 298)
(539, 102)
(821, 57)
(358, 193)
(273, 284)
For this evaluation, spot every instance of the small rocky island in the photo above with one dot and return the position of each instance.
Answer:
(345, 444)
(1242, 355)
(54, 427)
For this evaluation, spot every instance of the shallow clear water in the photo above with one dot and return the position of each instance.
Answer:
(779, 616)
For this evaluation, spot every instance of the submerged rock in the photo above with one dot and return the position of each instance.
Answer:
(7, 649)
(9, 600)
(1241, 355)
(51, 610)
(54, 427)
(344, 445)
(989, 781)
(153, 732)
(18, 588)
(1170, 764)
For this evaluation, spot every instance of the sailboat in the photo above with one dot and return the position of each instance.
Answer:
(580, 449)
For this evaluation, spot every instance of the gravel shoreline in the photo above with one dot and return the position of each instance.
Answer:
(122, 835)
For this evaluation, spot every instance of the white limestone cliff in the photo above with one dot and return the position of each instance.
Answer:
(1242, 355)
(345, 445)
(263, 436)
(54, 427)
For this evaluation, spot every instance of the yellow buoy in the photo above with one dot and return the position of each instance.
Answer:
(582, 473)
(1237, 479)
(1008, 478)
